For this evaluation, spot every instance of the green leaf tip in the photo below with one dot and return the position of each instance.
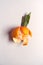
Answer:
(25, 19)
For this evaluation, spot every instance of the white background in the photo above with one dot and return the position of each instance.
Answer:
(11, 12)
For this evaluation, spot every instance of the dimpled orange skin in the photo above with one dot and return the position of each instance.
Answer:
(21, 31)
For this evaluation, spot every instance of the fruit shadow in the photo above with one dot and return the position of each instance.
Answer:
(7, 32)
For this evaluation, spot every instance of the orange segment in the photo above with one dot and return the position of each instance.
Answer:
(15, 32)
(24, 30)
(30, 33)
(25, 42)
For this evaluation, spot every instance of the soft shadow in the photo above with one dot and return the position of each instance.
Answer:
(7, 32)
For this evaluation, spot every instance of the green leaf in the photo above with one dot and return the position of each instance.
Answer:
(25, 19)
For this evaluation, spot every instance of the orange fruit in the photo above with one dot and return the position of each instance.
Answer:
(20, 32)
